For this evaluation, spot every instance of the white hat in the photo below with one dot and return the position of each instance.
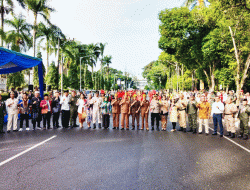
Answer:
(37, 92)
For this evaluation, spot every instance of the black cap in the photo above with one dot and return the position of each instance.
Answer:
(46, 95)
(245, 99)
(66, 91)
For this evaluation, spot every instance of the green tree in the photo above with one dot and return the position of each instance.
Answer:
(16, 80)
(19, 38)
(38, 7)
(52, 77)
(6, 7)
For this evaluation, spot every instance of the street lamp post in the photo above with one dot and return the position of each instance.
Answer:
(81, 74)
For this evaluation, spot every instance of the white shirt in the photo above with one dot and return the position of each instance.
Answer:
(65, 103)
(13, 108)
(97, 102)
(217, 110)
(81, 104)
(48, 105)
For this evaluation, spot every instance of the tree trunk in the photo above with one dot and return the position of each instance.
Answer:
(237, 79)
(2, 20)
(47, 50)
(34, 34)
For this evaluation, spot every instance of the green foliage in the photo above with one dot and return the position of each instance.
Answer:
(52, 78)
(15, 80)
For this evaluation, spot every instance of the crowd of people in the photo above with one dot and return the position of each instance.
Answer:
(193, 108)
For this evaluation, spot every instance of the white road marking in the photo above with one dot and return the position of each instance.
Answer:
(29, 149)
(244, 148)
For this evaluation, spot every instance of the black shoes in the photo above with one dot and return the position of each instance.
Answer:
(200, 133)
(122, 128)
(232, 135)
(207, 134)
(194, 131)
(181, 129)
(245, 137)
(214, 133)
(184, 130)
(15, 130)
(228, 134)
(100, 125)
(240, 136)
(153, 128)
(221, 135)
(94, 126)
(190, 130)
(157, 129)
(133, 128)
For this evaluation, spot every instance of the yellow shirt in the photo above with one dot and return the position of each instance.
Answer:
(204, 110)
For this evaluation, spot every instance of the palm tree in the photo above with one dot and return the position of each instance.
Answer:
(107, 61)
(94, 53)
(6, 7)
(38, 7)
(20, 35)
(102, 47)
(48, 34)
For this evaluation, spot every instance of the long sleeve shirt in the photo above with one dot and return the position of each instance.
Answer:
(217, 108)
(12, 106)
(65, 103)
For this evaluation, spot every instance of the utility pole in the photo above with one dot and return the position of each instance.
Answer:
(62, 75)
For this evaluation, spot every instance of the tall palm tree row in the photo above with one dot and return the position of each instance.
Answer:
(19, 37)
(106, 61)
(7, 7)
(38, 7)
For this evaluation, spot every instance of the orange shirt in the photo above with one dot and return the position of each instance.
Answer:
(204, 110)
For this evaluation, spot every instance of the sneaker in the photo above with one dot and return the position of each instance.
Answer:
(20, 129)
(173, 130)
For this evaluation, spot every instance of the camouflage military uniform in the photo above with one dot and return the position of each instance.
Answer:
(73, 111)
(192, 114)
(2, 113)
(244, 118)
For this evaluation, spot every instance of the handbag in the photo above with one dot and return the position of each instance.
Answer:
(84, 115)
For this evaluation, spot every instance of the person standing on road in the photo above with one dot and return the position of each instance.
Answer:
(12, 104)
(106, 110)
(56, 109)
(46, 107)
(81, 103)
(89, 110)
(36, 113)
(173, 113)
(73, 109)
(65, 109)
(144, 108)
(164, 113)
(116, 111)
(230, 110)
(192, 114)
(125, 104)
(217, 111)
(24, 110)
(244, 112)
(155, 108)
(2, 113)
(135, 104)
(97, 102)
(181, 106)
(204, 114)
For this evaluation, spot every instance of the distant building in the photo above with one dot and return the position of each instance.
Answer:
(141, 84)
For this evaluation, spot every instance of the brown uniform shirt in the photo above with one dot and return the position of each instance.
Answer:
(144, 106)
(230, 109)
(115, 106)
(135, 107)
(125, 106)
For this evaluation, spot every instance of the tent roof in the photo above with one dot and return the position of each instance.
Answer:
(11, 61)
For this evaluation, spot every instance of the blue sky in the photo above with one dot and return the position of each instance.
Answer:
(129, 27)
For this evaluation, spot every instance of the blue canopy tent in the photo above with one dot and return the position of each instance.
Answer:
(11, 62)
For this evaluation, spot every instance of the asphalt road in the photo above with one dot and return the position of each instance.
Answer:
(114, 159)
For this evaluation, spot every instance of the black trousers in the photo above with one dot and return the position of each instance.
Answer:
(56, 119)
(26, 118)
(65, 118)
(1, 122)
(153, 117)
(46, 119)
(105, 120)
(36, 118)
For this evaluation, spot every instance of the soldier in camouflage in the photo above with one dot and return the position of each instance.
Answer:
(192, 114)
